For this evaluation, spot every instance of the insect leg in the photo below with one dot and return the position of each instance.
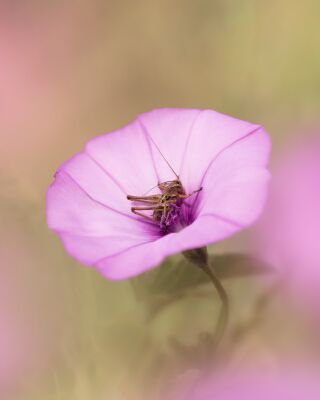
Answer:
(145, 199)
(136, 210)
(144, 216)
(155, 207)
(146, 202)
(186, 196)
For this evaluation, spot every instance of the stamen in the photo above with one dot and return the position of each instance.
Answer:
(171, 218)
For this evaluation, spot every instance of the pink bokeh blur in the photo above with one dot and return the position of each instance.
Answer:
(290, 227)
(27, 339)
(288, 382)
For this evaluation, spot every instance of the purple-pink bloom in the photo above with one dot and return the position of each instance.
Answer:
(87, 203)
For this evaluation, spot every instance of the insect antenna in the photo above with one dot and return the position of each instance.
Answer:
(150, 190)
(157, 147)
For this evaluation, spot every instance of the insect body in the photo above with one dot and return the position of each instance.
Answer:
(165, 207)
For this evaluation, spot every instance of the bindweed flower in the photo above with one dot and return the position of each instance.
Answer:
(205, 175)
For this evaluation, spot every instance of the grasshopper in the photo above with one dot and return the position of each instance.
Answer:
(165, 206)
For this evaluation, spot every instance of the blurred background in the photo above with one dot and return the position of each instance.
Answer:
(73, 70)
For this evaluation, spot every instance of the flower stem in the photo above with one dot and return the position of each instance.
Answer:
(223, 317)
(199, 257)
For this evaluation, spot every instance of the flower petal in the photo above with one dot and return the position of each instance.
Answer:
(142, 257)
(168, 130)
(235, 184)
(133, 260)
(96, 182)
(89, 229)
(125, 156)
(90, 249)
(212, 134)
(190, 140)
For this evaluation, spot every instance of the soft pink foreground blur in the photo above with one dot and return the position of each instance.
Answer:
(291, 224)
(287, 383)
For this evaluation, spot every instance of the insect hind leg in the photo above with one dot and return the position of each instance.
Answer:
(137, 211)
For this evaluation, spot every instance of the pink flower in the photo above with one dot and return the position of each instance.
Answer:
(87, 204)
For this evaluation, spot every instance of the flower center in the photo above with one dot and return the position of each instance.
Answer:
(166, 209)
(170, 216)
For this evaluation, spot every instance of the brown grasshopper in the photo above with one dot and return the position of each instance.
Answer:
(165, 206)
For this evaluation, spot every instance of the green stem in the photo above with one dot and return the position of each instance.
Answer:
(223, 316)
(199, 257)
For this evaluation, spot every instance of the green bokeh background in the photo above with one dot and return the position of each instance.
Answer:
(73, 70)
